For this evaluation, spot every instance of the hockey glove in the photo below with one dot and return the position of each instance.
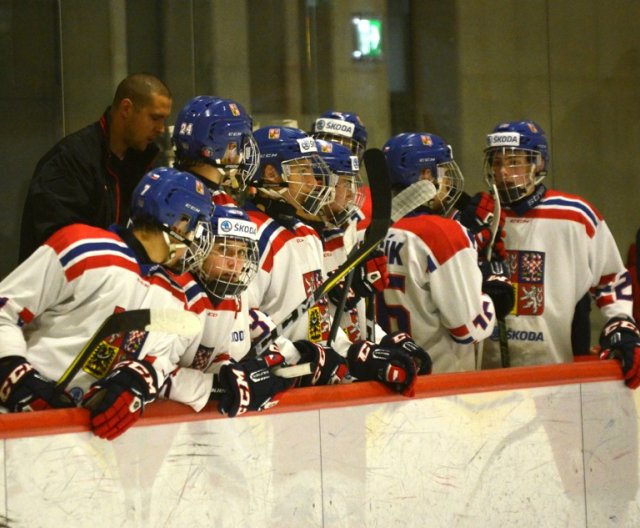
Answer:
(496, 284)
(390, 365)
(477, 216)
(23, 388)
(620, 339)
(369, 277)
(250, 386)
(406, 343)
(117, 401)
(329, 366)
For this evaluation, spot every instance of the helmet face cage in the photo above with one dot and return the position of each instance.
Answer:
(232, 259)
(310, 182)
(516, 159)
(344, 128)
(217, 132)
(449, 184)
(349, 194)
(513, 171)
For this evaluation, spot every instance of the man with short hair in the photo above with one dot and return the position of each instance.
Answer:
(88, 176)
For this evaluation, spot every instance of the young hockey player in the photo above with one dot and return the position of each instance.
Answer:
(559, 248)
(213, 140)
(435, 290)
(52, 304)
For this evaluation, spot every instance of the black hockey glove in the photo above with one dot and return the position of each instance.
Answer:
(116, 402)
(329, 366)
(250, 386)
(390, 365)
(620, 339)
(23, 388)
(370, 277)
(496, 284)
(406, 343)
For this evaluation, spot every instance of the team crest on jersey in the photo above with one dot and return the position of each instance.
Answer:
(202, 358)
(104, 356)
(527, 277)
(317, 316)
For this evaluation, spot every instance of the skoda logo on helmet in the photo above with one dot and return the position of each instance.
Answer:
(225, 226)
(320, 123)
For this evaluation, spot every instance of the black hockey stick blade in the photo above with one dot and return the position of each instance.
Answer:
(380, 186)
(167, 320)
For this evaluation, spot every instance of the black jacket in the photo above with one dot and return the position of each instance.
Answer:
(80, 180)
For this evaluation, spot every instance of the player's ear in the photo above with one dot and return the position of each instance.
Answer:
(271, 174)
(126, 108)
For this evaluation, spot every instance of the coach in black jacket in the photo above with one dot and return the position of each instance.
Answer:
(88, 176)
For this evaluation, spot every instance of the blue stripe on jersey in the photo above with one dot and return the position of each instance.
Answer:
(431, 265)
(265, 236)
(463, 341)
(92, 246)
(572, 204)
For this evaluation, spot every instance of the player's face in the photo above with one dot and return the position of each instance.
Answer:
(226, 260)
(346, 191)
(510, 168)
(147, 122)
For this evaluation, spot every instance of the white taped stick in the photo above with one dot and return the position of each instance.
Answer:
(411, 198)
(172, 321)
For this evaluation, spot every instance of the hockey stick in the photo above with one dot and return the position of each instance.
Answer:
(170, 321)
(505, 357)
(402, 204)
(380, 220)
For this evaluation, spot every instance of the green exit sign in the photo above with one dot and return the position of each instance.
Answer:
(367, 32)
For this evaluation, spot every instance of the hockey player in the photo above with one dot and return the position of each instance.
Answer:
(216, 370)
(559, 248)
(293, 181)
(213, 139)
(340, 234)
(435, 290)
(53, 303)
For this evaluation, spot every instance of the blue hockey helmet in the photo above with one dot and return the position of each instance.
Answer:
(232, 262)
(178, 203)
(345, 128)
(218, 132)
(516, 159)
(408, 155)
(349, 194)
(306, 180)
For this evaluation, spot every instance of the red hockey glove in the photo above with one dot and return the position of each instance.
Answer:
(250, 386)
(496, 284)
(477, 216)
(620, 339)
(329, 366)
(117, 401)
(406, 343)
(390, 365)
(23, 388)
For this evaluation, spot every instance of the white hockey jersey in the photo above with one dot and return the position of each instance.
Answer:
(290, 270)
(225, 337)
(51, 305)
(557, 251)
(435, 290)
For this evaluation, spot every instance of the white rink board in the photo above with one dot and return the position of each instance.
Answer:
(564, 456)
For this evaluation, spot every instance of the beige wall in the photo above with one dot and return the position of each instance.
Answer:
(572, 66)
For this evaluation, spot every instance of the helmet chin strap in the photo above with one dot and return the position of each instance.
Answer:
(173, 246)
